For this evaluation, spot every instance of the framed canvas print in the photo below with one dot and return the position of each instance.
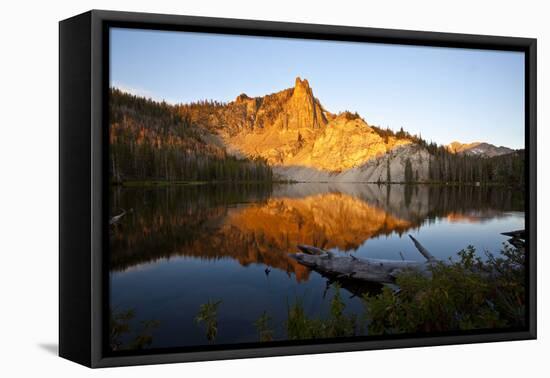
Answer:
(233, 188)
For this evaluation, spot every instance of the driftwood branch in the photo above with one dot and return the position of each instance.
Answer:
(117, 218)
(422, 249)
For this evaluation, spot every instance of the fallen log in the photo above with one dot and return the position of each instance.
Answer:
(376, 271)
(364, 269)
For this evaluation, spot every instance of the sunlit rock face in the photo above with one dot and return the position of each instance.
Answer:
(303, 111)
(300, 139)
(292, 130)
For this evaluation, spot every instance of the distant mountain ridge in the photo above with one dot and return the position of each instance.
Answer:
(478, 148)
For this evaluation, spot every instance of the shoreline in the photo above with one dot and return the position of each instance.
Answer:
(161, 183)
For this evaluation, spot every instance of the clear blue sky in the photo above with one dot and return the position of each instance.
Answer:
(445, 94)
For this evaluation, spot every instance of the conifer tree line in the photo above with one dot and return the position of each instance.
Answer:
(445, 166)
(504, 169)
(152, 140)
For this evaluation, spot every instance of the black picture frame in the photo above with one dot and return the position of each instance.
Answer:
(83, 194)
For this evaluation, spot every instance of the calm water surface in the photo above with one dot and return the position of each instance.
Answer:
(185, 245)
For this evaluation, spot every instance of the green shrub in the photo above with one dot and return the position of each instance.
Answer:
(299, 326)
(208, 314)
(464, 295)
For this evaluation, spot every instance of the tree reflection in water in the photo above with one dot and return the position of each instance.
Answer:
(257, 223)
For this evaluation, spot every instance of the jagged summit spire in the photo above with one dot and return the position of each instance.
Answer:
(289, 109)
(302, 89)
(301, 83)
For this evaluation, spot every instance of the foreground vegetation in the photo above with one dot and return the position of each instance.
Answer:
(462, 295)
(467, 294)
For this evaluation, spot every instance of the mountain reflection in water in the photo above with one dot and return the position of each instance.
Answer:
(262, 223)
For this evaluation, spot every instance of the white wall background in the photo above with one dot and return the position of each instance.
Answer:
(29, 186)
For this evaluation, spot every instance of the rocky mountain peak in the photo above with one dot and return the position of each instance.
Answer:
(303, 110)
(303, 92)
(243, 97)
(478, 148)
(302, 87)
